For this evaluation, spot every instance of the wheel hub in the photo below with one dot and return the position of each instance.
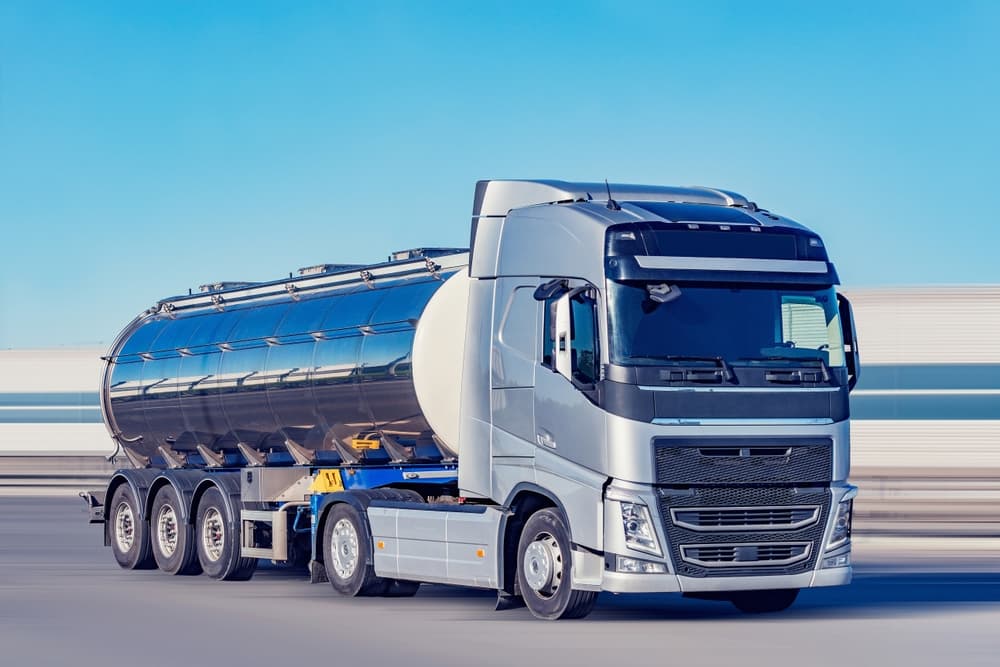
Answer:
(543, 567)
(124, 527)
(213, 534)
(166, 530)
(344, 548)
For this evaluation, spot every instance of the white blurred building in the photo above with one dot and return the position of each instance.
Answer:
(49, 403)
(929, 394)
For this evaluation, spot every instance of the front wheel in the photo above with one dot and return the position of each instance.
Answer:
(764, 602)
(545, 569)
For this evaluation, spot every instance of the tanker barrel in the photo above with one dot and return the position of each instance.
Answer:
(297, 376)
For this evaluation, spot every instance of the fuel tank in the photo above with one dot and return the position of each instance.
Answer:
(317, 369)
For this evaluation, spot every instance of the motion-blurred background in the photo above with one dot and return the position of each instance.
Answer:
(148, 148)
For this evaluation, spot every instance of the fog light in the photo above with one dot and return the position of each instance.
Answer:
(843, 560)
(636, 566)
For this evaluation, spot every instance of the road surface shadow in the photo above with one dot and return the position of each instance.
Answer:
(873, 595)
(870, 595)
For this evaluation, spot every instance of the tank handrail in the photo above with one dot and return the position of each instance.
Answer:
(311, 284)
(185, 350)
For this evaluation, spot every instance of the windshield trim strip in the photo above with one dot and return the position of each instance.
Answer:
(686, 421)
(730, 264)
(647, 387)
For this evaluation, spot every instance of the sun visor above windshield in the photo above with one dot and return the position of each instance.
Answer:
(716, 251)
(663, 268)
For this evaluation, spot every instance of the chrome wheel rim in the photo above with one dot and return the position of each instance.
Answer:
(124, 527)
(543, 565)
(344, 548)
(213, 534)
(166, 530)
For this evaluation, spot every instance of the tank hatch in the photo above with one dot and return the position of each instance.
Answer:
(416, 253)
(320, 269)
(224, 285)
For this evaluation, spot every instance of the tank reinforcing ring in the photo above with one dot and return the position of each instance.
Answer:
(166, 530)
(124, 527)
(543, 568)
(213, 534)
(344, 547)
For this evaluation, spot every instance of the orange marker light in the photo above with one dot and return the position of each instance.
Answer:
(380, 544)
(480, 553)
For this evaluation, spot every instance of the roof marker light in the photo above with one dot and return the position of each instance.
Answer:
(691, 225)
(725, 228)
(755, 229)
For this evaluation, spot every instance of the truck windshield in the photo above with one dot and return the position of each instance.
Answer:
(657, 324)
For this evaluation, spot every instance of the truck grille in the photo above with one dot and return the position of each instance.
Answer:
(706, 519)
(745, 555)
(721, 531)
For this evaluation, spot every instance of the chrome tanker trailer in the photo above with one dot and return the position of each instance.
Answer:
(615, 388)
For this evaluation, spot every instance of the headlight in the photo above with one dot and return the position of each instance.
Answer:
(639, 532)
(842, 526)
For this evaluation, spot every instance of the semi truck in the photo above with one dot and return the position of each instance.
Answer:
(618, 388)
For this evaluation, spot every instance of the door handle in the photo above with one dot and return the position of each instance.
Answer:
(545, 439)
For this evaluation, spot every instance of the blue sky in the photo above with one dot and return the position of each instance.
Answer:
(146, 148)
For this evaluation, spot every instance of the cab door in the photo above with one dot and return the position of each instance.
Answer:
(568, 422)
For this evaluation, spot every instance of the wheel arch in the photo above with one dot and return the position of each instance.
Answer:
(184, 483)
(138, 480)
(523, 500)
(228, 485)
(358, 499)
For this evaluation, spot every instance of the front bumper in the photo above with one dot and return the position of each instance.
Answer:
(718, 579)
(623, 582)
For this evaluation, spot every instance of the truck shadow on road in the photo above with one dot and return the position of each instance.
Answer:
(871, 595)
(874, 595)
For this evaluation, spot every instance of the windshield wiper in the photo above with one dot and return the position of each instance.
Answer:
(824, 369)
(727, 371)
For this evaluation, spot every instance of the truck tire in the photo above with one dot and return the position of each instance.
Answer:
(347, 553)
(218, 543)
(764, 602)
(128, 532)
(545, 569)
(172, 539)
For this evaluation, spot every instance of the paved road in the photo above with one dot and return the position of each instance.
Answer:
(63, 602)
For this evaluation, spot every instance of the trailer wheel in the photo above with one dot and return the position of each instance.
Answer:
(172, 538)
(347, 554)
(545, 569)
(218, 543)
(764, 602)
(128, 532)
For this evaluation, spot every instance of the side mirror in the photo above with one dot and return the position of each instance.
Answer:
(562, 348)
(850, 341)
